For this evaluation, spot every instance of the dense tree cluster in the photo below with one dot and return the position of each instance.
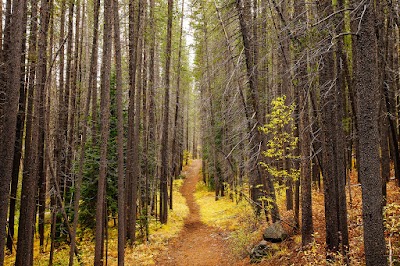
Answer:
(336, 62)
(84, 111)
(100, 107)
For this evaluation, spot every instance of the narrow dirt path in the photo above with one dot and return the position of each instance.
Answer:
(197, 244)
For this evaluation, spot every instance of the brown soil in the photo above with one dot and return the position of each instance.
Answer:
(197, 244)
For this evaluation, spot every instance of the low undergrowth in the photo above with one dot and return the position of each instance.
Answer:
(223, 213)
(244, 230)
(143, 253)
(237, 219)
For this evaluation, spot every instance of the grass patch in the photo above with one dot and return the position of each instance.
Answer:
(145, 253)
(244, 228)
(223, 213)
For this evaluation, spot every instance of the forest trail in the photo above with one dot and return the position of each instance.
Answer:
(197, 244)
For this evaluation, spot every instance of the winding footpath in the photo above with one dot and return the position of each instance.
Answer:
(197, 244)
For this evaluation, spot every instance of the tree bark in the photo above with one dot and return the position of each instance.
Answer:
(104, 131)
(78, 183)
(120, 136)
(10, 86)
(42, 86)
(340, 136)
(131, 182)
(164, 140)
(31, 161)
(334, 172)
(59, 152)
(366, 85)
(151, 129)
(302, 89)
(22, 106)
(177, 126)
(243, 9)
(94, 68)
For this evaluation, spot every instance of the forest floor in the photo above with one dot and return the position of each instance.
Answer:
(219, 233)
(198, 243)
(204, 232)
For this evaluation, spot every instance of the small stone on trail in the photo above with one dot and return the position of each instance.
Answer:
(259, 252)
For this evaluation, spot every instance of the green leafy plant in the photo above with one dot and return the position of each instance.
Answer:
(281, 141)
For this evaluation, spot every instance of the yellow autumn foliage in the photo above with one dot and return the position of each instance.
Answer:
(222, 213)
(140, 254)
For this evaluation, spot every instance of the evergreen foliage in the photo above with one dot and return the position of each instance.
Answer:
(91, 171)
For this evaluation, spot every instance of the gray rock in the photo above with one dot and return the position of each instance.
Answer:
(275, 233)
(260, 251)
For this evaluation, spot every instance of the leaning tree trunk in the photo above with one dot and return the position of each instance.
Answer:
(256, 182)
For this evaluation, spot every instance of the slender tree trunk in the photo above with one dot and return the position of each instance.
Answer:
(60, 144)
(105, 126)
(175, 154)
(208, 94)
(73, 109)
(120, 137)
(41, 84)
(389, 90)
(138, 97)
(302, 91)
(164, 140)
(255, 179)
(10, 86)
(145, 134)
(67, 112)
(366, 83)
(131, 182)
(19, 135)
(286, 90)
(94, 69)
(151, 154)
(31, 161)
(329, 126)
(305, 170)
(78, 183)
(341, 173)
(49, 163)
(389, 125)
